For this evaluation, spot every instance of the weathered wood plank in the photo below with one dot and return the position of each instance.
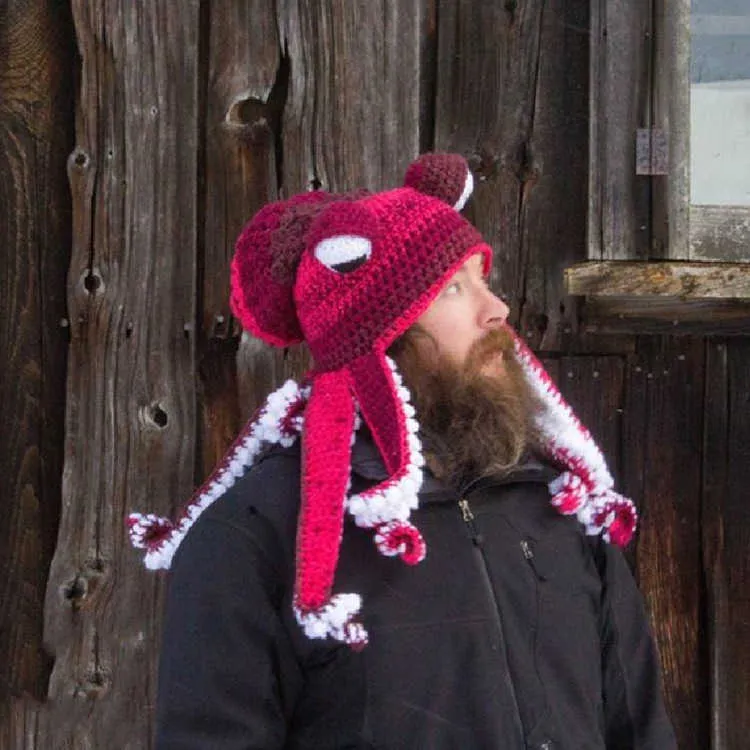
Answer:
(670, 203)
(660, 279)
(660, 315)
(352, 116)
(520, 69)
(554, 199)
(620, 201)
(726, 539)
(662, 439)
(130, 422)
(245, 89)
(594, 386)
(36, 135)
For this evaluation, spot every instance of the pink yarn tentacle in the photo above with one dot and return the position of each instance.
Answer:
(326, 451)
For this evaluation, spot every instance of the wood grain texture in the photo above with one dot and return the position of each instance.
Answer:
(507, 65)
(130, 421)
(661, 470)
(244, 84)
(670, 198)
(594, 386)
(36, 135)
(352, 117)
(602, 317)
(687, 281)
(620, 201)
(554, 195)
(726, 539)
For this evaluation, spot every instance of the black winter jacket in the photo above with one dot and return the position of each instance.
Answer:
(516, 631)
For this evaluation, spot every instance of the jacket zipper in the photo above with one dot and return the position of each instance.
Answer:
(528, 553)
(468, 517)
(477, 541)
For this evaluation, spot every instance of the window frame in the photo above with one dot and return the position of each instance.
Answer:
(640, 85)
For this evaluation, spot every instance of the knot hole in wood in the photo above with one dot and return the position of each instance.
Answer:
(154, 416)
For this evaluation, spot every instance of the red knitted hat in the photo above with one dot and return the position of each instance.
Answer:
(348, 274)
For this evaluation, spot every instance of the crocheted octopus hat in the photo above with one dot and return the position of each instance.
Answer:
(348, 274)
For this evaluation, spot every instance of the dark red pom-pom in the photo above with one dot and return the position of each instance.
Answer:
(441, 176)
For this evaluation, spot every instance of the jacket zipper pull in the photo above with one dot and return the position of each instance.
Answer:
(528, 553)
(468, 517)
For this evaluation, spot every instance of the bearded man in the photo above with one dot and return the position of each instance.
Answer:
(494, 609)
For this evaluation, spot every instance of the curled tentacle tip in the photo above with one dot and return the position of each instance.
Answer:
(148, 531)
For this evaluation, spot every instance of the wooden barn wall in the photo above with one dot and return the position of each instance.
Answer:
(37, 52)
(124, 376)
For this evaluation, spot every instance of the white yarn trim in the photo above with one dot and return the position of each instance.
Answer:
(467, 191)
(266, 429)
(568, 442)
(335, 619)
(566, 439)
(394, 499)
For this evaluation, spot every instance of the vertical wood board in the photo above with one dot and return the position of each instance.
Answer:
(620, 201)
(726, 539)
(662, 439)
(353, 108)
(130, 420)
(671, 113)
(244, 85)
(521, 70)
(488, 61)
(36, 135)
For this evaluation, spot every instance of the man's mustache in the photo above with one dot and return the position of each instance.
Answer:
(496, 342)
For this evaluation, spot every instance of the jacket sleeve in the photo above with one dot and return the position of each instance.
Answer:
(635, 716)
(228, 678)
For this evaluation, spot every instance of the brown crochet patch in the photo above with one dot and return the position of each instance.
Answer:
(290, 237)
(288, 241)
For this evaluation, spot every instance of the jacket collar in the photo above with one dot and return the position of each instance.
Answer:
(367, 463)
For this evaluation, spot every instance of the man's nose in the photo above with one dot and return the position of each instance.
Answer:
(495, 312)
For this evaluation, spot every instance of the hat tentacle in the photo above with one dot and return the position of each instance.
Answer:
(278, 420)
(326, 455)
(585, 489)
(385, 406)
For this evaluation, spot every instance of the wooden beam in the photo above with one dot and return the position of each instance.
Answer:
(618, 316)
(687, 281)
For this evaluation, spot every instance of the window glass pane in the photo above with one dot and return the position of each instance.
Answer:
(720, 102)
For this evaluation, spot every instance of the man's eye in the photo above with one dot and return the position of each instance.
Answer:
(453, 288)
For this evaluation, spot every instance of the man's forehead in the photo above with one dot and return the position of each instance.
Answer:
(474, 263)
